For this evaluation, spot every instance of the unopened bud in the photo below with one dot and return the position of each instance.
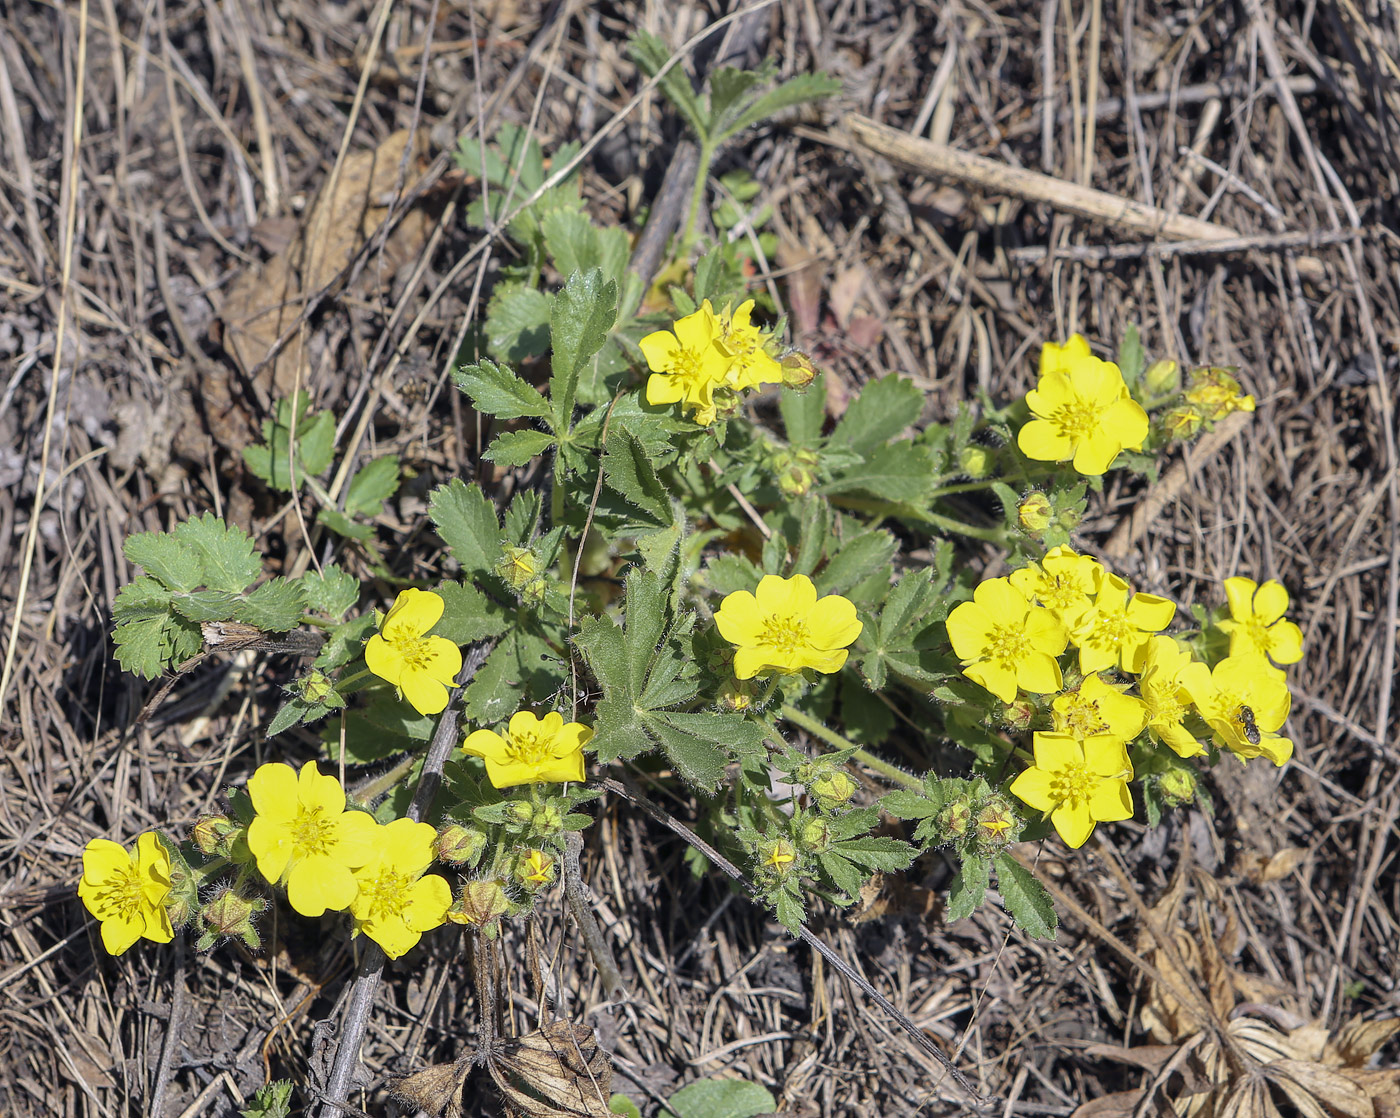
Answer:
(956, 818)
(815, 836)
(460, 846)
(778, 856)
(1182, 424)
(1178, 786)
(317, 687)
(736, 695)
(1018, 715)
(1035, 512)
(798, 371)
(832, 789)
(481, 903)
(227, 914)
(976, 461)
(1162, 378)
(521, 811)
(212, 835)
(996, 823)
(548, 820)
(535, 868)
(519, 566)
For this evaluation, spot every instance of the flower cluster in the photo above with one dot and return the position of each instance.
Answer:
(706, 360)
(1083, 411)
(1015, 632)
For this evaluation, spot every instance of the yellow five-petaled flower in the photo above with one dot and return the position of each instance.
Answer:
(1005, 641)
(302, 832)
(420, 666)
(1082, 410)
(532, 751)
(1078, 783)
(1257, 623)
(126, 890)
(396, 902)
(783, 627)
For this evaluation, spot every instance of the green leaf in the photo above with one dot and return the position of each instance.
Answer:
(580, 318)
(373, 484)
(332, 591)
(467, 523)
(515, 448)
(272, 1100)
(388, 725)
(1131, 359)
(292, 713)
(968, 888)
(226, 553)
(844, 874)
(344, 643)
(730, 572)
(877, 852)
(468, 615)
(720, 1098)
(342, 525)
(794, 91)
(631, 473)
(1025, 898)
(495, 390)
(856, 559)
(804, 413)
(787, 907)
(621, 1104)
(176, 565)
(206, 605)
(316, 443)
(274, 607)
(899, 473)
(884, 408)
(571, 240)
(140, 600)
(651, 54)
(517, 323)
(709, 272)
(495, 691)
(142, 647)
(728, 87)
(699, 760)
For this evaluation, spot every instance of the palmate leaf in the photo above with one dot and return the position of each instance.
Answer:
(466, 521)
(884, 408)
(794, 91)
(175, 564)
(517, 322)
(225, 553)
(515, 448)
(968, 887)
(331, 591)
(373, 484)
(274, 607)
(651, 54)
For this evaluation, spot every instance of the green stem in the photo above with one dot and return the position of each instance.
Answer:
(948, 524)
(831, 737)
(697, 196)
(354, 678)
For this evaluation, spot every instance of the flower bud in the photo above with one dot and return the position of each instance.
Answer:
(549, 820)
(481, 904)
(318, 688)
(212, 835)
(535, 868)
(1182, 424)
(975, 461)
(519, 566)
(778, 856)
(815, 836)
(798, 371)
(996, 823)
(832, 789)
(1035, 512)
(1018, 715)
(460, 846)
(736, 695)
(521, 811)
(227, 914)
(1178, 786)
(1162, 378)
(955, 818)
(796, 471)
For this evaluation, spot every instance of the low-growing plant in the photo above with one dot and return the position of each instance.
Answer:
(716, 583)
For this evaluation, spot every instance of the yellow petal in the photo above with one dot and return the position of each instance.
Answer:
(1034, 787)
(1095, 454)
(1111, 801)
(119, 934)
(1239, 592)
(1039, 673)
(1056, 752)
(1285, 643)
(998, 680)
(659, 349)
(103, 859)
(413, 614)
(832, 622)
(273, 790)
(1271, 601)
(315, 790)
(1052, 392)
(1148, 611)
(969, 629)
(1074, 823)
(425, 694)
(318, 883)
(383, 659)
(1043, 441)
(662, 390)
(484, 743)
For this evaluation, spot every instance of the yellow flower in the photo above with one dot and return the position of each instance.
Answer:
(126, 890)
(535, 868)
(421, 667)
(743, 343)
(1215, 393)
(1257, 623)
(533, 751)
(687, 365)
(1082, 411)
(1244, 700)
(1005, 642)
(1097, 708)
(1166, 699)
(1062, 582)
(1079, 783)
(779, 855)
(396, 903)
(302, 832)
(1116, 628)
(784, 627)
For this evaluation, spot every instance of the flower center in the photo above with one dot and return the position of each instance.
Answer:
(786, 634)
(1076, 419)
(1081, 717)
(1057, 592)
(528, 748)
(414, 651)
(1161, 700)
(1258, 633)
(312, 832)
(1072, 784)
(120, 896)
(1108, 630)
(688, 365)
(388, 892)
(1008, 645)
